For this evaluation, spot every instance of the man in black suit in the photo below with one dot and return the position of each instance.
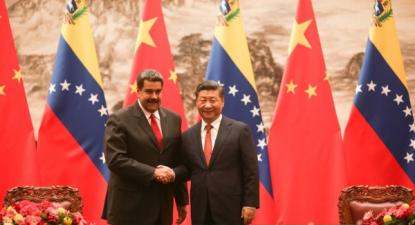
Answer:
(221, 163)
(142, 144)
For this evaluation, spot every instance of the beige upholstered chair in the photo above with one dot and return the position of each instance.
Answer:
(354, 201)
(62, 196)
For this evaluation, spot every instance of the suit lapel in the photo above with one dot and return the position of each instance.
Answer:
(224, 130)
(164, 127)
(143, 123)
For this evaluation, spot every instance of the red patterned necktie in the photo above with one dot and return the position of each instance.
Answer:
(156, 129)
(208, 143)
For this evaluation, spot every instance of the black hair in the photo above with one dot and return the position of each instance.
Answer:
(149, 75)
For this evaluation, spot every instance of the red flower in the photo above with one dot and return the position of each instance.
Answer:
(401, 214)
(43, 213)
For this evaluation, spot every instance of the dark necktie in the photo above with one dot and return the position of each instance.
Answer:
(156, 129)
(208, 143)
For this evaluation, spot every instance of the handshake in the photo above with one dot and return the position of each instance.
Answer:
(164, 174)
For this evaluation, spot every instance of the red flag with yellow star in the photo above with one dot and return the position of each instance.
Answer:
(153, 52)
(305, 147)
(18, 164)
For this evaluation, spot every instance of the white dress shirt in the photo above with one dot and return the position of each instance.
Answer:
(148, 114)
(213, 131)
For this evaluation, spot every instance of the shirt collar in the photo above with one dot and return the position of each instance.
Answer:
(147, 113)
(215, 124)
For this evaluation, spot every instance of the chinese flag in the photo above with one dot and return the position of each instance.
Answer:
(153, 52)
(18, 164)
(306, 158)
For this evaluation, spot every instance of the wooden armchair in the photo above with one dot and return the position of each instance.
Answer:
(354, 201)
(63, 196)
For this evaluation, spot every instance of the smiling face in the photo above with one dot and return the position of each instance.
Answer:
(149, 95)
(209, 104)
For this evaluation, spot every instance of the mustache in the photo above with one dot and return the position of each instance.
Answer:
(153, 100)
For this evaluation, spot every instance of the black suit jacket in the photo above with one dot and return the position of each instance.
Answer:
(132, 153)
(231, 179)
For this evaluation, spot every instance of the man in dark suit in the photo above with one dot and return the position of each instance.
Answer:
(221, 162)
(142, 144)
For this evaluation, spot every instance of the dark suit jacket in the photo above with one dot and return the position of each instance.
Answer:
(132, 153)
(231, 179)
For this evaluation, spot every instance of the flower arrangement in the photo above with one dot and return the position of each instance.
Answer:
(400, 215)
(44, 213)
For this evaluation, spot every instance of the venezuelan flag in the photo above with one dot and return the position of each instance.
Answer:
(230, 65)
(380, 135)
(71, 134)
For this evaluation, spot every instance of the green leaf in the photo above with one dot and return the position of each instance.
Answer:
(386, 15)
(233, 15)
(79, 13)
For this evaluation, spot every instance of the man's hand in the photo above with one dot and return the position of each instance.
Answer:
(164, 174)
(248, 214)
(181, 211)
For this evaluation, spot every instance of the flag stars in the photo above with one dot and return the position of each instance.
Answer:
(298, 35)
(409, 157)
(311, 91)
(133, 87)
(2, 87)
(407, 111)
(93, 98)
(398, 99)
(291, 87)
(412, 127)
(385, 90)
(412, 144)
(259, 157)
(220, 83)
(65, 85)
(371, 86)
(103, 110)
(359, 88)
(261, 143)
(17, 75)
(144, 35)
(173, 76)
(102, 158)
(327, 76)
(79, 89)
(255, 111)
(233, 90)
(246, 99)
(261, 127)
(52, 88)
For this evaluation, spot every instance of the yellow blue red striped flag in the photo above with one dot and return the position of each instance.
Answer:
(380, 134)
(71, 134)
(230, 65)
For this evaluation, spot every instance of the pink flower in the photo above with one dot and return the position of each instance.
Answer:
(368, 215)
(45, 204)
(79, 219)
(7, 219)
(33, 220)
(44, 213)
(401, 214)
(51, 211)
